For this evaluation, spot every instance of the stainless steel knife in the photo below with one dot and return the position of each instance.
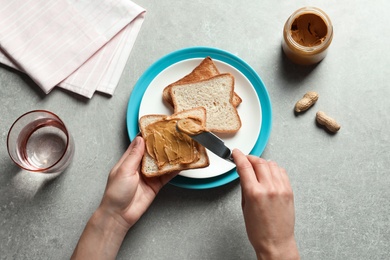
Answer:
(213, 143)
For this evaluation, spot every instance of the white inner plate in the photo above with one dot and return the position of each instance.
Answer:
(249, 111)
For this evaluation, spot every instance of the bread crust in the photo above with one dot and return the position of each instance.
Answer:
(205, 70)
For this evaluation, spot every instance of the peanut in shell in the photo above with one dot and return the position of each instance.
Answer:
(327, 122)
(308, 100)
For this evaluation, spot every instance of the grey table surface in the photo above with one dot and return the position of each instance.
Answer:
(341, 182)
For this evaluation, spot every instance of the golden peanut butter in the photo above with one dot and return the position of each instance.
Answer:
(168, 146)
(190, 126)
(309, 30)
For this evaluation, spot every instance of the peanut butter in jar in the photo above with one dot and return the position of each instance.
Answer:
(307, 35)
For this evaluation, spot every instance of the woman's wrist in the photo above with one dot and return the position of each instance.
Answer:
(102, 236)
(286, 250)
(109, 222)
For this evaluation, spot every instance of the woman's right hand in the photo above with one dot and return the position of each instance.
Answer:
(268, 207)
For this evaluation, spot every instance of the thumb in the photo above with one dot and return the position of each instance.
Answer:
(132, 158)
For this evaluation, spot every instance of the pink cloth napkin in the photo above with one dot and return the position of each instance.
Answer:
(81, 46)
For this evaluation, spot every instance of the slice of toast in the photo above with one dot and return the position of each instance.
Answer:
(205, 70)
(215, 95)
(149, 167)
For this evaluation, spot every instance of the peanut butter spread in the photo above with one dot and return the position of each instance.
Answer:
(309, 30)
(190, 126)
(168, 146)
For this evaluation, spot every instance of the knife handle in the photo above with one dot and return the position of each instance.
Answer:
(230, 159)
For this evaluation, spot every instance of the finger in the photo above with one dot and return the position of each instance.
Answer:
(262, 170)
(134, 143)
(164, 179)
(133, 156)
(125, 154)
(276, 174)
(285, 179)
(244, 169)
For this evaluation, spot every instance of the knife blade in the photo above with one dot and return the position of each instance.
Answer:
(212, 143)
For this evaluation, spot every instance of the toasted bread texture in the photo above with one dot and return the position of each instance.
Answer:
(205, 70)
(149, 167)
(216, 96)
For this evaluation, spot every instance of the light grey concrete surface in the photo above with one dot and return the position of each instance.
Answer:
(341, 182)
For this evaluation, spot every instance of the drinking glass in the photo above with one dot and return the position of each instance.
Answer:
(38, 141)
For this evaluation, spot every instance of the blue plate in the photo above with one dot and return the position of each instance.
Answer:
(216, 54)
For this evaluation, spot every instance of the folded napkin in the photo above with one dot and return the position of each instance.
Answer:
(81, 46)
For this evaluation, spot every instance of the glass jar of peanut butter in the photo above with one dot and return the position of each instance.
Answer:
(307, 35)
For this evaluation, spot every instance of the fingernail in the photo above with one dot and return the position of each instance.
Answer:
(136, 140)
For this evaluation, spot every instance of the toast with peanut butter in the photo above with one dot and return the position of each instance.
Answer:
(216, 96)
(168, 150)
(205, 70)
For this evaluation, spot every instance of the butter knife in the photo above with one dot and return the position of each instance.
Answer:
(212, 143)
